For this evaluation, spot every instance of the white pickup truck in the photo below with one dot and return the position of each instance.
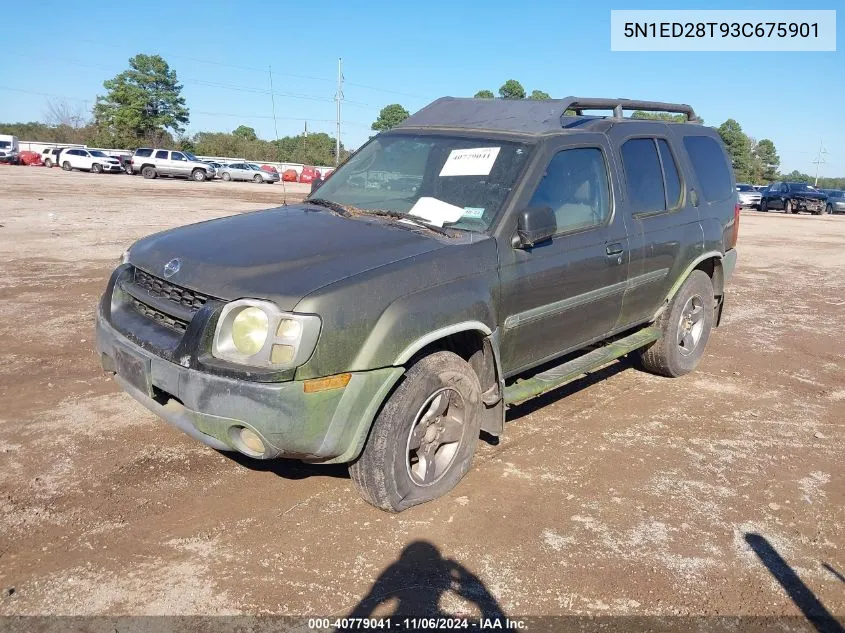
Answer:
(9, 149)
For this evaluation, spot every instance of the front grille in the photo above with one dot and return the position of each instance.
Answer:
(164, 290)
(172, 323)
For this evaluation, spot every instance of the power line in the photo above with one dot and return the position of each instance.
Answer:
(211, 84)
(261, 70)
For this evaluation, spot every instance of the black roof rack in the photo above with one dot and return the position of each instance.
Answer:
(527, 116)
(579, 104)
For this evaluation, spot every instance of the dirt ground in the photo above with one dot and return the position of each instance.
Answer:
(623, 493)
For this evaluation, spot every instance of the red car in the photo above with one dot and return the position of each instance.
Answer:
(289, 175)
(30, 158)
(308, 175)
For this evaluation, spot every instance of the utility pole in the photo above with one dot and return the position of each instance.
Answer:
(273, 101)
(338, 97)
(306, 129)
(819, 161)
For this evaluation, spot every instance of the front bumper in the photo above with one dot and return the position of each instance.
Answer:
(327, 426)
(749, 201)
(11, 159)
(112, 167)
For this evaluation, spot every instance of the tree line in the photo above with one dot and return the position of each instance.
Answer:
(144, 106)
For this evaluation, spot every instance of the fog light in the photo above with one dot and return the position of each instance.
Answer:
(248, 441)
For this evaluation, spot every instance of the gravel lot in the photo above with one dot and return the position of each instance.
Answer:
(623, 493)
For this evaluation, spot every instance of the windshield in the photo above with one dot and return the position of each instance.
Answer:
(96, 152)
(253, 167)
(5, 144)
(745, 188)
(458, 181)
(191, 157)
(836, 194)
(800, 186)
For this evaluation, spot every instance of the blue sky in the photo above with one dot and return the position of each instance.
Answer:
(412, 53)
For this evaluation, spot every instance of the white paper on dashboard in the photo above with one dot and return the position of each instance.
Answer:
(436, 211)
(477, 161)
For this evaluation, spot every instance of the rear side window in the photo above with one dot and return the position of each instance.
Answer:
(670, 174)
(144, 153)
(161, 154)
(711, 167)
(643, 175)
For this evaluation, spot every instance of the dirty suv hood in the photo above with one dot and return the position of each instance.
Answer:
(279, 254)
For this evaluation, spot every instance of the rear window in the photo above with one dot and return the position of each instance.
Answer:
(644, 176)
(144, 153)
(711, 167)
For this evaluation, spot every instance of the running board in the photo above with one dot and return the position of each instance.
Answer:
(523, 390)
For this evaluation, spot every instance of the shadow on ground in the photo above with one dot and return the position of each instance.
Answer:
(798, 592)
(415, 584)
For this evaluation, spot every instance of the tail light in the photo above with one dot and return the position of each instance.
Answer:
(735, 234)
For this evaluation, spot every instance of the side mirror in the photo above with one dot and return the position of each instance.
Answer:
(315, 184)
(534, 225)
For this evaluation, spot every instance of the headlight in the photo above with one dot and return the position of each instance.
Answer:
(257, 333)
(249, 330)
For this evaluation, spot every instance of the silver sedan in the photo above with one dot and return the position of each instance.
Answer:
(248, 171)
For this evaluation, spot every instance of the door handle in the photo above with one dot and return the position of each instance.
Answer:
(614, 249)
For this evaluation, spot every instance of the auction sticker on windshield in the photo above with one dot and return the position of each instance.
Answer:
(477, 161)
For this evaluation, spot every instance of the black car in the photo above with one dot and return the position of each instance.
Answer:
(386, 328)
(793, 197)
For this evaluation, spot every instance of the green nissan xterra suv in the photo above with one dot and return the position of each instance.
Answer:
(478, 255)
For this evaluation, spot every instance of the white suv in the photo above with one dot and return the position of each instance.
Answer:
(88, 159)
(162, 162)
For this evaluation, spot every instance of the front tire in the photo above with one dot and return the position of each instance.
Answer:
(48, 163)
(258, 179)
(686, 325)
(763, 206)
(424, 438)
(787, 207)
(199, 175)
(827, 210)
(96, 168)
(66, 166)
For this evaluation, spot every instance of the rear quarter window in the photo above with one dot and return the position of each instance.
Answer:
(711, 166)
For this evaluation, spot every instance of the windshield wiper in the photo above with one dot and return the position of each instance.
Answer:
(334, 206)
(410, 218)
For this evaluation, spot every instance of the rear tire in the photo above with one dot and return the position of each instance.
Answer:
(96, 168)
(424, 438)
(149, 172)
(686, 324)
(66, 166)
